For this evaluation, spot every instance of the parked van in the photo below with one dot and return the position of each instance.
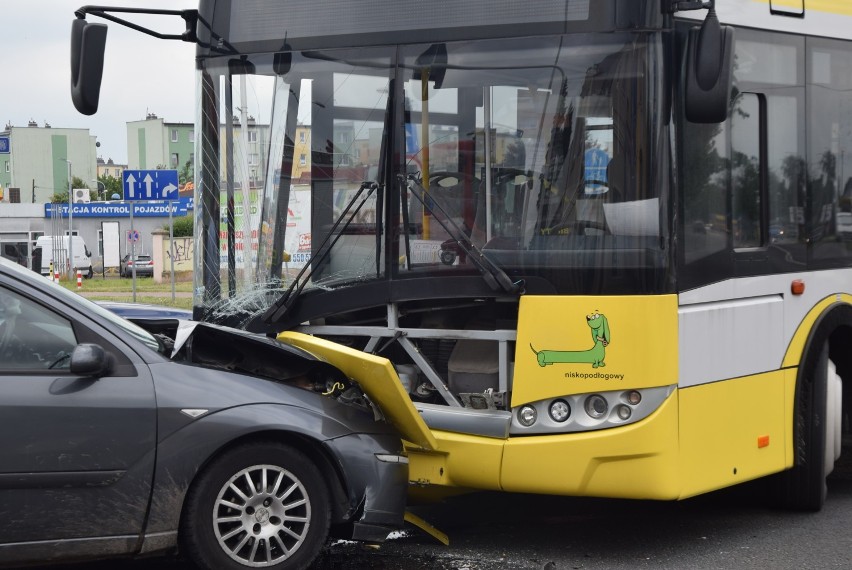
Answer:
(56, 248)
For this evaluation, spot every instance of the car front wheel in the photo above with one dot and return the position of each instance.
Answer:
(261, 505)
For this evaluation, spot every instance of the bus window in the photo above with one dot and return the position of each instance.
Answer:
(829, 165)
(746, 171)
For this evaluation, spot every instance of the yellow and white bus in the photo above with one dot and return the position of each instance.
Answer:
(571, 247)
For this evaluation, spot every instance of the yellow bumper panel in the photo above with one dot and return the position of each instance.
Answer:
(464, 461)
(377, 378)
(638, 461)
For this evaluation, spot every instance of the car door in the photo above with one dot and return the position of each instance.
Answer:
(76, 453)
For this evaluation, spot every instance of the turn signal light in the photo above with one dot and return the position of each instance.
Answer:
(797, 287)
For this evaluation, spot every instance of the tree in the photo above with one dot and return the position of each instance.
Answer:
(112, 185)
(186, 174)
(76, 182)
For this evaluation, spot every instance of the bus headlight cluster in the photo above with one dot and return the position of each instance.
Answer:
(585, 412)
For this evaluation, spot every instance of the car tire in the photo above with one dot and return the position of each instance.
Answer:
(230, 523)
(90, 273)
(804, 486)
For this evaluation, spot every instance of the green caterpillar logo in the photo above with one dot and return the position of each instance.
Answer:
(594, 356)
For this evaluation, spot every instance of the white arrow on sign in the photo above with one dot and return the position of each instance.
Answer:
(148, 180)
(131, 186)
(169, 189)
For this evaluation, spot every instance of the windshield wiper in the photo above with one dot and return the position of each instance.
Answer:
(493, 274)
(282, 305)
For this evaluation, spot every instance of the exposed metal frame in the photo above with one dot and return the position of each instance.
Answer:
(403, 335)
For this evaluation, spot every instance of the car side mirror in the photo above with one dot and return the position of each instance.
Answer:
(90, 360)
(87, 64)
(709, 71)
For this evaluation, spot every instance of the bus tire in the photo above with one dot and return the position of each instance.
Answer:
(804, 487)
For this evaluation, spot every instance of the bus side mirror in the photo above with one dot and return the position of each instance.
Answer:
(709, 71)
(282, 62)
(87, 64)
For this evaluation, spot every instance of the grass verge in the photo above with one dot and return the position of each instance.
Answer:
(178, 302)
(123, 285)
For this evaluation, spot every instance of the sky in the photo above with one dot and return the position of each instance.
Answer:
(142, 74)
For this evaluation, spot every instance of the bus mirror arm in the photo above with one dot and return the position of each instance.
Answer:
(191, 18)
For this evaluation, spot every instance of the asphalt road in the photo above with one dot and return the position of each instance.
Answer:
(493, 531)
(729, 529)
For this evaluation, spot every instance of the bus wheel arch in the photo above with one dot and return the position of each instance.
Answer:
(817, 414)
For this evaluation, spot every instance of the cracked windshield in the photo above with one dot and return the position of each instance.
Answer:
(511, 157)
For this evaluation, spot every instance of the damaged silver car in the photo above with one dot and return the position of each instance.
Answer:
(120, 441)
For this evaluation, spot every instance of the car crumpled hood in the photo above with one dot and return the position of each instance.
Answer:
(226, 348)
(306, 362)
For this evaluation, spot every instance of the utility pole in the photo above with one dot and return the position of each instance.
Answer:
(70, 222)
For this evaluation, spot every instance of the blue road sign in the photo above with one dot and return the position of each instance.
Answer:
(596, 163)
(150, 185)
(160, 209)
(4, 145)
